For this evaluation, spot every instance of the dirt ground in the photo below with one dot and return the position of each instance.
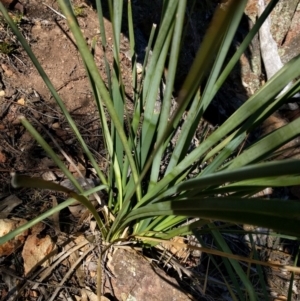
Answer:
(23, 92)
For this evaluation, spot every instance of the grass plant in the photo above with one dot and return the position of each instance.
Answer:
(152, 201)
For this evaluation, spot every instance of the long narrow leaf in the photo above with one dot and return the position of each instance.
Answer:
(279, 215)
(88, 59)
(29, 182)
(268, 144)
(271, 89)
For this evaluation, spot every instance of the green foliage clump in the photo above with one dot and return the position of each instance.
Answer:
(154, 202)
(79, 11)
(7, 48)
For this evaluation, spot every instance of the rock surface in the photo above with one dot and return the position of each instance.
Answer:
(135, 279)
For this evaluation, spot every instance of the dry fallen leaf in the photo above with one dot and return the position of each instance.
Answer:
(49, 176)
(36, 250)
(21, 101)
(55, 125)
(74, 242)
(179, 249)
(2, 157)
(38, 228)
(74, 170)
(7, 71)
(6, 226)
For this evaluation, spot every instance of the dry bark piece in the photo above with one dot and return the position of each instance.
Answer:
(269, 51)
(8, 204)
